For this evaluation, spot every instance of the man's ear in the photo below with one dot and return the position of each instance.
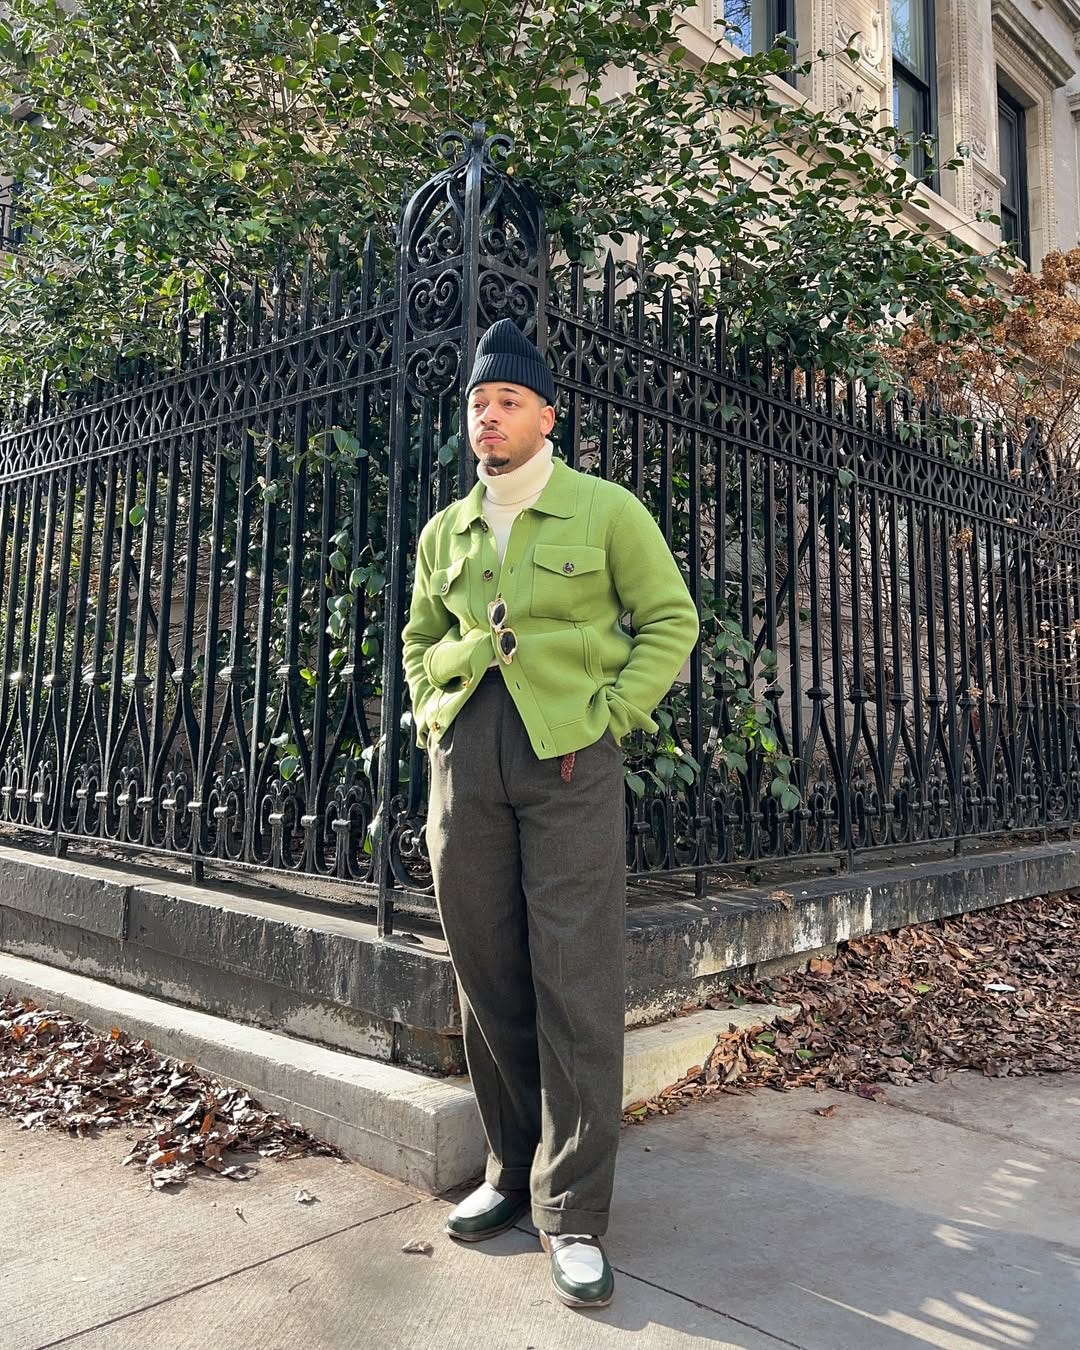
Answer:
(547, 418)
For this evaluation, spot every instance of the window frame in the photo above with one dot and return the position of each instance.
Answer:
(1018, 113)
(928, 91)
(779, 18)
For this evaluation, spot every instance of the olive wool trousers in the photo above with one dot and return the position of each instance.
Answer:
(530, 882)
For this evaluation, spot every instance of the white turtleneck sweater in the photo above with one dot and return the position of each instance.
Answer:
(508, 494)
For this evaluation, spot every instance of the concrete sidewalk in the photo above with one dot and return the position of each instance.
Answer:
(949, 1217)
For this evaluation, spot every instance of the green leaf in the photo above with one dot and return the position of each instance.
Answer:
(287, 766)
(395, 63)
(137, 515)
(635, 783)
(338, 560)
(345, 441)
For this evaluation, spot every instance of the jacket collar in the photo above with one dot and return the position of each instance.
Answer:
(559, 498)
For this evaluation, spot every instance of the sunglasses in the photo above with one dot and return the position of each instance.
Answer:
(505, 638)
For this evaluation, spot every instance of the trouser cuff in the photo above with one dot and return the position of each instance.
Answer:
(506, 1178)
(591, 1221)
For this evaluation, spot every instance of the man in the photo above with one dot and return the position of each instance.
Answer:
(523, 683)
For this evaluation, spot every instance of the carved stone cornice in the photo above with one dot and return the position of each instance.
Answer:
(1007, 19)
(1068, 11)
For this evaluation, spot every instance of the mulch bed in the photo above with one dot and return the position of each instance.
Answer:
(56, 1073)
(996, 991)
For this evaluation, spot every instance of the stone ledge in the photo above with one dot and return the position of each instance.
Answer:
(684, 950)
(660, 1055)
(301, 965)
(423, 1131)
(420, 1130)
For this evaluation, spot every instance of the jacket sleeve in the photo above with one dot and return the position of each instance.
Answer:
(666, 625)
(429, 621)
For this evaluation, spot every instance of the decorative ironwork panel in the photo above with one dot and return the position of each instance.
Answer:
(193, 568)
(204, 574)
(906, 614)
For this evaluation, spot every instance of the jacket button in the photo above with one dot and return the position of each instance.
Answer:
(488, 574)
(484, 526)
(444, 587)
(435, 726)
(568, 567)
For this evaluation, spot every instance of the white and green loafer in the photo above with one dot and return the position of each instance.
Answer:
(486, 1212)
(579, 1269)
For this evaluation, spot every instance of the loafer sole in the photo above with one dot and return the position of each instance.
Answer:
(569, 1299)
(484, 1233)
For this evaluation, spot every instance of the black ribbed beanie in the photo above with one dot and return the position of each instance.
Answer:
(505, 353)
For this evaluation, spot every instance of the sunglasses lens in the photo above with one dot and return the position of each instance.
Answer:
(507, 643)
(498, 614)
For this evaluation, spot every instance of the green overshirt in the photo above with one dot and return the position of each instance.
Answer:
(585, 553)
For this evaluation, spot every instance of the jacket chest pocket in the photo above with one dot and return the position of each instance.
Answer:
(451, 585)
(570, 581)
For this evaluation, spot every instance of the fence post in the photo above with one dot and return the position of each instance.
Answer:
(471, 250)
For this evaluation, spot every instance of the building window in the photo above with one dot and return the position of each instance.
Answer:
(914, 94)
(760, 23)
(1012, 165)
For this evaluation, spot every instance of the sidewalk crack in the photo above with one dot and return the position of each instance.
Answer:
(988, 1131)
(227, 1275)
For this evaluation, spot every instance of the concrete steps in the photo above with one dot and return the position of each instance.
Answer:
(421, 1130)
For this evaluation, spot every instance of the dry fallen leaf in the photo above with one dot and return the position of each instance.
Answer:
(57, 1073)
(828, 1110)
(303, 1197)
(418, 1248)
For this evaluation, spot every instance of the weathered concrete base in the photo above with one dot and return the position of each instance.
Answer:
(683, 951)
(308, 967)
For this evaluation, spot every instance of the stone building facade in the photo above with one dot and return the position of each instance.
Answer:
(996, 80)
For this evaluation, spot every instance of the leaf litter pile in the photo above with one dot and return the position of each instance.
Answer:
(996, 991)
(56, 1073)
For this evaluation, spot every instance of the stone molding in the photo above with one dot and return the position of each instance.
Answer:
(1009, 22)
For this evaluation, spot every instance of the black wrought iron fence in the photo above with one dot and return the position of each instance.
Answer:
(204, 575)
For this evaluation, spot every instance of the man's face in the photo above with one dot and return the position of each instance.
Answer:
(507, 425)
